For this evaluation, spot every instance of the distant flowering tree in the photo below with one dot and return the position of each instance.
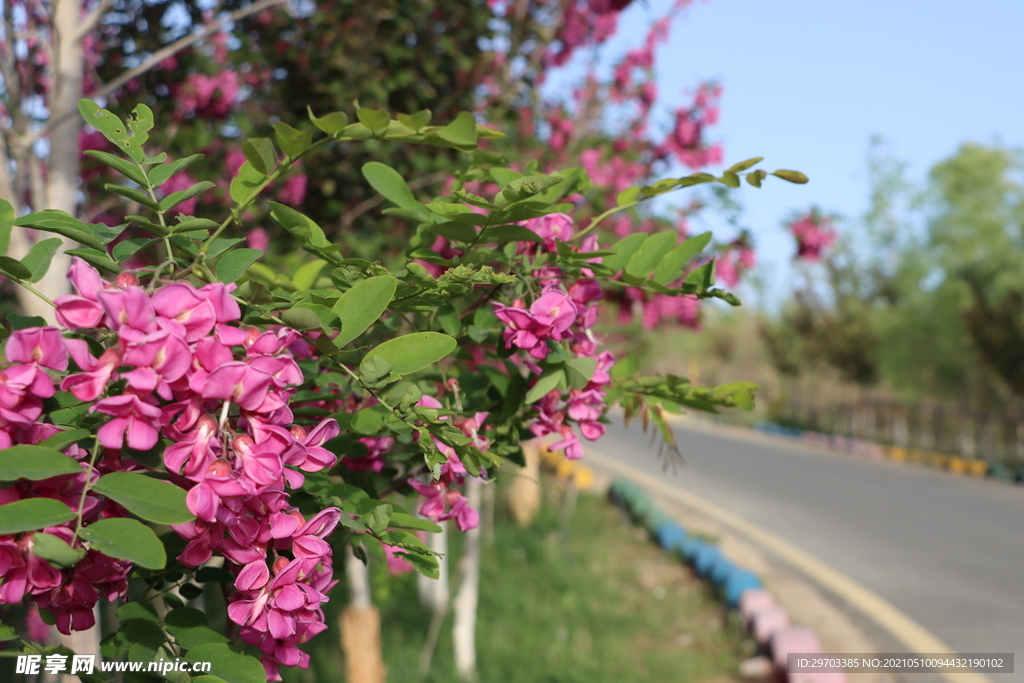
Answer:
(814, 233)
(256, 412)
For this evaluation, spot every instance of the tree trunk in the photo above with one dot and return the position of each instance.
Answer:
(434, 592)
(465, 604)
(360, 627)
(524, 491)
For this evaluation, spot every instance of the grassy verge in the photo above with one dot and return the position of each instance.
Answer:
(586, 599)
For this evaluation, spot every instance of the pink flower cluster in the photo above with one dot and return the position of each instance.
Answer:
(562, 312)
(686, 141)
(219, 393)
(442, 501)
(69, 593)
(814, 234)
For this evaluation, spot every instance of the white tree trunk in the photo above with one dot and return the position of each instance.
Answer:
(465, 604)
(434, 593)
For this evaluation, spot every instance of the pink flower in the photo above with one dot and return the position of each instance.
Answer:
(132, 417)
(43, 346)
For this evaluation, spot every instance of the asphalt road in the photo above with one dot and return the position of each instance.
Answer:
(946, 550)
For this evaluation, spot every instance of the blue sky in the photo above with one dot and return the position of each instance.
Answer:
(807, 83)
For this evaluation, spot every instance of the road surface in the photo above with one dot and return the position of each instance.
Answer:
(946, 550)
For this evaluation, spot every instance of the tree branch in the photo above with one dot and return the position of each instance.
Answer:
(93, 18)
(153, 60)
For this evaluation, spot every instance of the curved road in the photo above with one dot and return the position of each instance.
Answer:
(946, 550)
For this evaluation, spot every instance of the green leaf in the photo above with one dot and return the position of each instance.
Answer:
(161, 174)
(387, 182)
(62, 440)
(22, 322)
(370, 420)
(175, 198)
(302, 319)
(261, 154)
(14, 268)
(449, 319)
(627, 196)
(730, 179)
(197, 635)
(33, 513)
(791, 176)
(550, 379)
(645, 260)
(362, 305)
(671, 267)
(56, 550)
(413, 352)
(624, 250)
(462, 131)
(579, 371)
(234, 264)
(133, 195)
(375, 371)
(402, 520)
(228, 663)
(307, 274)
(151, 499)
(126, 539)
(221, 244)
(755, 177)
(331, 123)
(416, 121)
(125, 168)
(292, 142)
(61, 223)
(744, 165)
(125, 250)
(35, 463)
(97, 258)
(509, 233)
(136, 611)
(378, 518)
(704, 276)
(377, 120)
(7, 217)
(246, 184)
(453, 231)
(299, 225)
(108, 233)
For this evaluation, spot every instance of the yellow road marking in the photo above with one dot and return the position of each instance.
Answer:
(915, 637)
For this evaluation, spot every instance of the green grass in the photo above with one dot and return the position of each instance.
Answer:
(591, 601)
